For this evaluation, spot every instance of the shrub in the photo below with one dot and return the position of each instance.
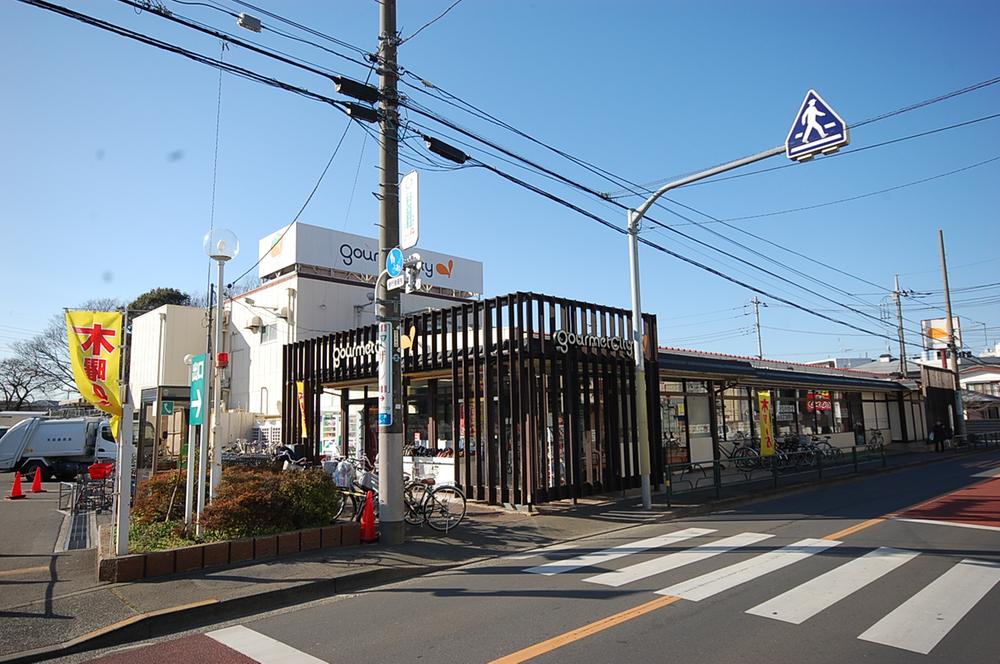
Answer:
(156, 535)
(310, 498)
(251, 502)
(159, 494)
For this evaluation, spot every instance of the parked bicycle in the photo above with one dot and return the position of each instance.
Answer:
(440, 506)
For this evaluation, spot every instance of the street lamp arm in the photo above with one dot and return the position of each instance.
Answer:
(640, 212)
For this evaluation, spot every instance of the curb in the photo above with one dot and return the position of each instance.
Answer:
(164, 622)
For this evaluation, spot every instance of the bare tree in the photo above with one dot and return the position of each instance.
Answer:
(47, 354)
(20, 381)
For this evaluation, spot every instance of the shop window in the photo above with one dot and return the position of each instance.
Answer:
(418, 411)
(673, 426)
(443, 414)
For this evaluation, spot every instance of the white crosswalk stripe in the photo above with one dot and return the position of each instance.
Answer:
(917, 625)
(261, 648)
(804, 601)
(620, 551)
(922, 621)
(674, 560)
(720, 580)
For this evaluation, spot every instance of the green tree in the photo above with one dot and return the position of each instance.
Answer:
(157, 297)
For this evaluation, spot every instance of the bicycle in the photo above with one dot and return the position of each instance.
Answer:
(874, 441)
(743, 455)
(441, 507)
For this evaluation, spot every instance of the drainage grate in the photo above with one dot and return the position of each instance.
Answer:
(79, 533)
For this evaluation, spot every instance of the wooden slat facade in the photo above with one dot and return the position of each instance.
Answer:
(542, 397)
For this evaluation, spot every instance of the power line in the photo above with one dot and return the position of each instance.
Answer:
(430, 22)
(674, 254)
(304, 204)
(853, 198)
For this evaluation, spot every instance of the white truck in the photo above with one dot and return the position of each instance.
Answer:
(61, 448)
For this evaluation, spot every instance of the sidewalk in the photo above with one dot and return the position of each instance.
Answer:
(70, 611)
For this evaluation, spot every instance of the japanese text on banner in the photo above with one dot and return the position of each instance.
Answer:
(765, 423)
(95, 346)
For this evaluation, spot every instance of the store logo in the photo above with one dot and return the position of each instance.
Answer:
(350, 352)
(406, 340)
(566, 339)
(276, 244)
(446, 270)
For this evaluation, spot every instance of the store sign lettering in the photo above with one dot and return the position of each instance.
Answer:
(350, 253)
(566, 339)
(355, 350)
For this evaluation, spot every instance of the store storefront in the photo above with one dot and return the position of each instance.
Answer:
(709, 403)
(519, 399)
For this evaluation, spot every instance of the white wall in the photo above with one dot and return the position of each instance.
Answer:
(315, 307)
(184, 333)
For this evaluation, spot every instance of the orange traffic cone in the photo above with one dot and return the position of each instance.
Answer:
(36, 484)
(15, 492)
(368, 533)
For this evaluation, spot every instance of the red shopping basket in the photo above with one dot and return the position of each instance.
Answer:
(100, 471)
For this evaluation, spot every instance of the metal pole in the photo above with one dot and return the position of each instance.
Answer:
(390, 435)
(199, 484)
(639, 356)
(898, 295)
(634, 222)
(217, 392)
(952, 345)
(123, 469)
(189, 486)
(756, 311)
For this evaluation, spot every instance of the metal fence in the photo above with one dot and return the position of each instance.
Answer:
(732, 476)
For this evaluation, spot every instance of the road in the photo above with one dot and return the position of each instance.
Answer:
(902, 567)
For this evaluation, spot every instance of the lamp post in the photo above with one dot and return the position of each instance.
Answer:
(220, 245)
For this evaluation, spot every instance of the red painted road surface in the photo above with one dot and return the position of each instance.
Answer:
(194, 649)
(977, 505)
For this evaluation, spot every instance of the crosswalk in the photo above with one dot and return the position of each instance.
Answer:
(917, 625)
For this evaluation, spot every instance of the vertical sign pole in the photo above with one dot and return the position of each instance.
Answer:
(124, 473)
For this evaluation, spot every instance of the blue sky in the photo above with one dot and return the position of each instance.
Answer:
(106, 181)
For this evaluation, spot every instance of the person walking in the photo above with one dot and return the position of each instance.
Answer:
(937, 436)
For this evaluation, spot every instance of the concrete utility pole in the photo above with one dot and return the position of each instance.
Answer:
(897, 295)
(634, 224)
(390, 436)
(952, 346)
(756, 302)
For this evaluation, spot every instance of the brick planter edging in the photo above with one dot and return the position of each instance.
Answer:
(137, 566)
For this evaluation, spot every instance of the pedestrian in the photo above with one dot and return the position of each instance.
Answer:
(937, 436)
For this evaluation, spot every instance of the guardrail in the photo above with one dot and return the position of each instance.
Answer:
(730, 475)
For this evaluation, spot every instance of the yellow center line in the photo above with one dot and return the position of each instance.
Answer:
(582, 632)
(856, 528)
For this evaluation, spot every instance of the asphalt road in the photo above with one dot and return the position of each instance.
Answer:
(903, 567)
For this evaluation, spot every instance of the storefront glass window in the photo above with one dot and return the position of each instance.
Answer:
(673, 422)
(443, 414)
(418, 409)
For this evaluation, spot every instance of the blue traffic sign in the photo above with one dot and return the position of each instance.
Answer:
(817, 129)
(394, 262)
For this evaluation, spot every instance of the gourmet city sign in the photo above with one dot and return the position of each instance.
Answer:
(566, 339)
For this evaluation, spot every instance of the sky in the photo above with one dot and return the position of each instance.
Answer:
(110, 161)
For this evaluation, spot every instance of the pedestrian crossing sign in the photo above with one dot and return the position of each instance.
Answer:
(817, 129)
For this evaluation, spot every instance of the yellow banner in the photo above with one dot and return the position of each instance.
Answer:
(300, 387)
(765, 423)
(95, 352)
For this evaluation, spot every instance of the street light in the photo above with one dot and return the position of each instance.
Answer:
(220, 245)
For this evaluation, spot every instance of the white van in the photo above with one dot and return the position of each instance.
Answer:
(61, 448)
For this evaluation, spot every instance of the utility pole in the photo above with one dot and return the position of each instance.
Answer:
(390, 434)
(897, 295)
(756, 302)
(952, 346)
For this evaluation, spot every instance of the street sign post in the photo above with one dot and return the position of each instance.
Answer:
(395, 282)
(409, 210)
(197, 414)
(384, 374)
(394, 262)
(816, 129)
